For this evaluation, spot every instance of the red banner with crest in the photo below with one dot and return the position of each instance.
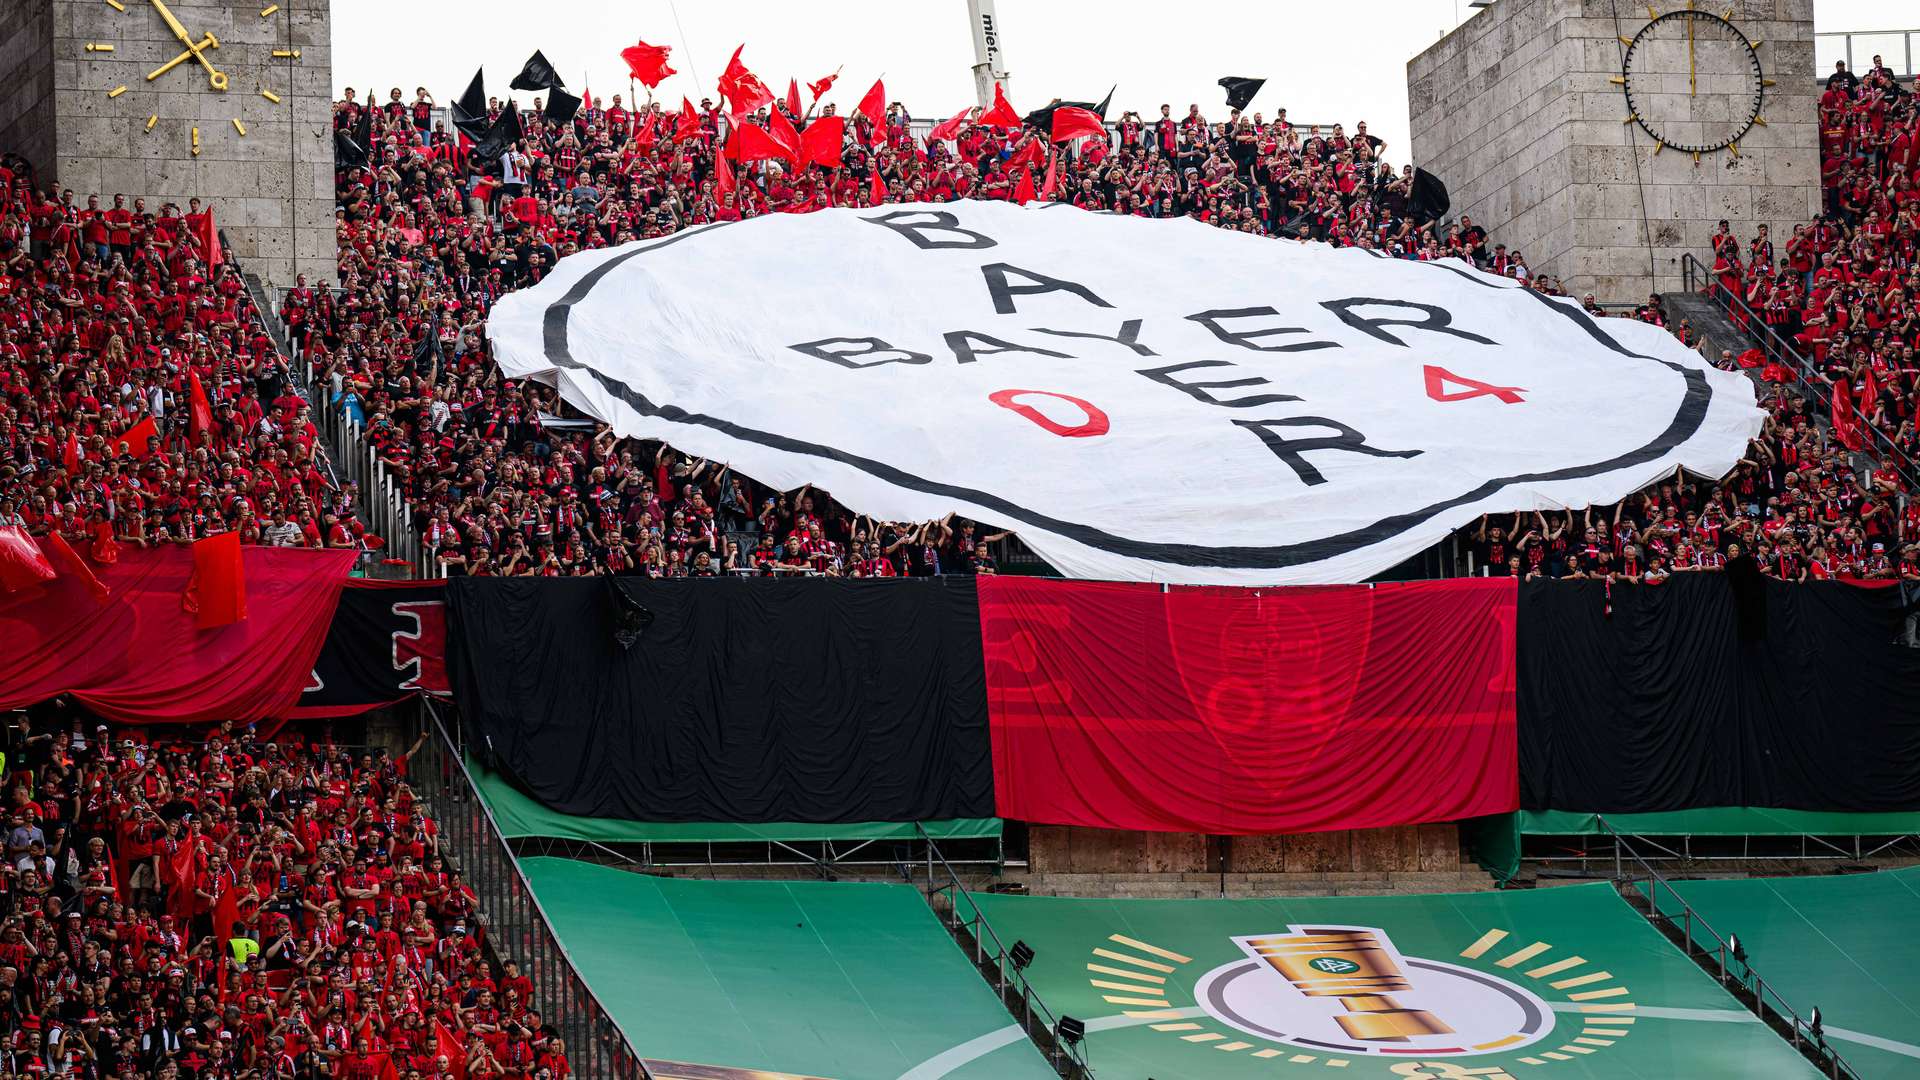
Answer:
(1212, 710)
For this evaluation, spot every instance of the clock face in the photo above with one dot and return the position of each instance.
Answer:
(203, 61)
(1693, 81)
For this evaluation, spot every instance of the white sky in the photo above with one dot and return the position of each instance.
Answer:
(1323, 62)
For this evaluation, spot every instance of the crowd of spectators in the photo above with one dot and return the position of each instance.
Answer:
(226, 907)
(103, 325)
(110, 314)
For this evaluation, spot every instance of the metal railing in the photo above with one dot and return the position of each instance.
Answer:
(992, 958)
(1811, 384)
(1897, 48)
(516, 926)
(1634, 877)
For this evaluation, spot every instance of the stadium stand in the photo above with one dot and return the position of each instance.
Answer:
(846, 980)
(1171, 987)
(1832, 943)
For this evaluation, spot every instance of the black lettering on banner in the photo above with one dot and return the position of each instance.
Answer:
(1245, 338)
(1003, 293)
(1129, 336)
(1290, 450)
(961, 342)
(942, 222)
(1198, 390)
(846, 357)
(1435, 318)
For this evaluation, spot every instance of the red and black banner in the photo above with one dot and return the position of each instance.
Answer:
(1214, 710)
(388, 642)
(123, 638)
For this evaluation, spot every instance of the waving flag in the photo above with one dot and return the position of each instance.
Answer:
(874, 105)
(1072, 123)
(689, 125)
(743, 89)
(820, 143)
(825, 84)
(950, 129)
(648, 63)
(781, 129)
(1002, 114)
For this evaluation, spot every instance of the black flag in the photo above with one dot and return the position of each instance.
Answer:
(469, 113)
(1429, 199)
(352, 149)
(1240, 91)
(1042, 117)
(501, 137)
(561, 105)
(537, 75)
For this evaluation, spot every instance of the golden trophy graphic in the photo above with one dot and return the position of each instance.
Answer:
(1355, 967)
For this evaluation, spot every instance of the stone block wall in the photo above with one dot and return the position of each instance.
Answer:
(265, 166)
(26, 81)
(1515, 112)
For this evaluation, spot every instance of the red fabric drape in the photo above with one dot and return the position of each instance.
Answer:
(136, 657)
(1126, 706)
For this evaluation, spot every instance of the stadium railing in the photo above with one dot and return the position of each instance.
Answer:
(1639, 883)
(1811, 384)
(1900, 49)
(516, 925)
(993, 958)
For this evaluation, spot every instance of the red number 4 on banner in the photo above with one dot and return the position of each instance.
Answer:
(1439, 379)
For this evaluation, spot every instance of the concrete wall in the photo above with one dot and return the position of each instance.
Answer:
(26, 81)
(271, 188)
(1515, 113)
(1071, 850)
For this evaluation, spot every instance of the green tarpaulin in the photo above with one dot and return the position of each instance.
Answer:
(1845, 944)
(520, 816)
(1553, 983)
(1495, 840)
(840, 980)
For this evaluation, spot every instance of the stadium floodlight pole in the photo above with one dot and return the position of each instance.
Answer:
(989, 61)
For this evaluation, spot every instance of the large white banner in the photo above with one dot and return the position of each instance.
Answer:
(1138, 399)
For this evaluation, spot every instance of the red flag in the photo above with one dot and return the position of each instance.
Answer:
(178, 872)
(217, 592)
(22, 564)
(208, 234)
(793, 97)
(586, 97)
(1029, 155)
(199, 410)
(1869, 391)
(1023, 191)
(71, 458)
(648, 63)
(447, 1045)
(824, 85)
(877, 194)
(226, 912)
(134, 439)
(1846, 424)
(783, 133)
(874, 105)
(820, 143)
(1052, 183)
(689, 121)
(723, 185)
(950, 129)
(743, 88)
(643, 135)
(1002, 114)
(1072, 122)
(71, 564)
(757, 145)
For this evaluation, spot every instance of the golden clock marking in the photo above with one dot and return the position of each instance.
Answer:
(117, 91)
(270, 96)
(286, 54)
(239, 127)
(98, 47)
(152, 120)
(196, 140)
(268, 10)
(116, 5)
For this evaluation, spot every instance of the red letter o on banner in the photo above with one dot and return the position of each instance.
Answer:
(1095, 423)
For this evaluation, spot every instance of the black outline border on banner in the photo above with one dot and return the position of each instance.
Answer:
(1686, 421)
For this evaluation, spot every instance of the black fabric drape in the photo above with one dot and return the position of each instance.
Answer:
(742, 700)
(1665, 706)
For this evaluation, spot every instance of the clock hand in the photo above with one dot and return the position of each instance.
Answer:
(1691, 89)
(215, 78)
(208, 42)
